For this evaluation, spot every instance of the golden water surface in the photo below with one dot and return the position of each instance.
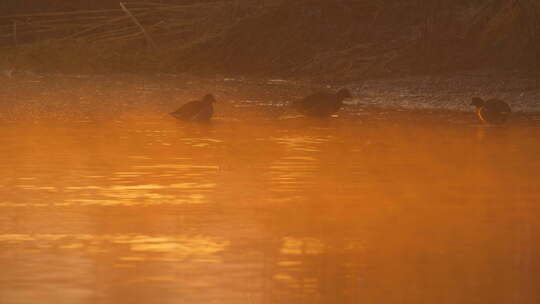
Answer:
(368, 207)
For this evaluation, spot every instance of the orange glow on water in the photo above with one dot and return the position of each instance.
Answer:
(387, 207)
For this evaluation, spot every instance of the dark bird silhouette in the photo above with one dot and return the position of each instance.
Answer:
(197, 110)
(323, 103)
(492, 111)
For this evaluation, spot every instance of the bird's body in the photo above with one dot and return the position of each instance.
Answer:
(322, 103)
(198, 110)
(491, 111)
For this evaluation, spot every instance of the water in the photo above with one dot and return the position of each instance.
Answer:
(106, 199)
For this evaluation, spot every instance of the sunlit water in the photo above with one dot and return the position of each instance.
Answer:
(110, 205)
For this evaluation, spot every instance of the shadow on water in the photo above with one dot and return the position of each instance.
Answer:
(375, 206)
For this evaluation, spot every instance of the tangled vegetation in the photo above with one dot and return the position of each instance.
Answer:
(347, 39)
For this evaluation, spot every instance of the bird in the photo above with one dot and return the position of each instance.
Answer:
(491, 111)
(198, 110)
(322, 103)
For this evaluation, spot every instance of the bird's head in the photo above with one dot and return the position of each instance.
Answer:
(209, 98)
(477, 102)
(343, 94)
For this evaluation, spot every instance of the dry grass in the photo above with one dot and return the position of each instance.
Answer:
(323, 39)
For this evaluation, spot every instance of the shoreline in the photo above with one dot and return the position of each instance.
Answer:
(450, 92)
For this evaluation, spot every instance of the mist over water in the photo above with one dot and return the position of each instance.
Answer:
(104, 198)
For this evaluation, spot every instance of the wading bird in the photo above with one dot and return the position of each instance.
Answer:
(492, 111)
(197, 110)
(323, 103)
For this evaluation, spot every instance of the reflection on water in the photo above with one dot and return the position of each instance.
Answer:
(381, 207)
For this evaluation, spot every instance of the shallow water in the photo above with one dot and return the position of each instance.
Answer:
(128, 205)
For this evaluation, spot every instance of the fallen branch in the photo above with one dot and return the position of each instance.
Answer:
(149, 40)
